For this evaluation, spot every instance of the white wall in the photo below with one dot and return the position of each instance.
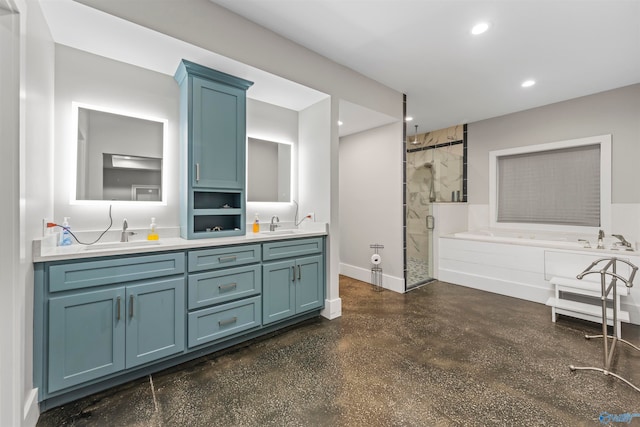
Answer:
(10, 361)
(615, 112)
(371, 204)
(101, 82)
(315, 166)
(27, 128)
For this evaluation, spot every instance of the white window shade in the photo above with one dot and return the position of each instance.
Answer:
(559, 186)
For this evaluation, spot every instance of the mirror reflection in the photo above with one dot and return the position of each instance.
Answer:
(119, 157)
(268, 171)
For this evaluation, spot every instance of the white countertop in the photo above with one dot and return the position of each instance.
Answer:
(42, 252)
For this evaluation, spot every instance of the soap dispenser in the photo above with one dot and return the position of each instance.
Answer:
(65, 236)
(153, 233)
(256, 224)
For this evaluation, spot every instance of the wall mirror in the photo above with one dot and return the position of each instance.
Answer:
(268, 171)
(119, 157)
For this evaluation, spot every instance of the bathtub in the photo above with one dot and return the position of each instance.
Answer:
(536, 238)
(522, 263)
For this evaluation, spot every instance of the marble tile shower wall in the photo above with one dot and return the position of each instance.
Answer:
(430, 184)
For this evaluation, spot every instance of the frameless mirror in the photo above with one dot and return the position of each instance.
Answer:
(268, 171)
(119, 157)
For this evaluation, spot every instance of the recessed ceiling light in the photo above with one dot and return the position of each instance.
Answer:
(408, 119)
(480, 28)
(528, 83)
(339, 123)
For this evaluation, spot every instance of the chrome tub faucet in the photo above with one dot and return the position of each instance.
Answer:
(623, 242)
(600, 239)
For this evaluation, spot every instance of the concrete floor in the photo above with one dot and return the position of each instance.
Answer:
(440, 355)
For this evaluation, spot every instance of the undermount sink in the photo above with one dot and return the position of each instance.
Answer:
(121, 245)
(279, 232)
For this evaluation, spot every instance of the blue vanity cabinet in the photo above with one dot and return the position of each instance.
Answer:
(218, 134)
(109, 315)
(102, 321)
(86, 337)
(224, 293)
(155, 320)
(213, 151)
(293, 278)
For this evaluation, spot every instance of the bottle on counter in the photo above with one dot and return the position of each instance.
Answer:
(65, 236)
(153, 233)
(256, 224)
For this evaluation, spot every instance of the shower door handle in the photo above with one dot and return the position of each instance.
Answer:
(430, 220)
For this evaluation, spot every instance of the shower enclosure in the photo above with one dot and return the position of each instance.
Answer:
(435, 172)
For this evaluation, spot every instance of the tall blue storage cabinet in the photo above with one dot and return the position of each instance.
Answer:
(212, 151)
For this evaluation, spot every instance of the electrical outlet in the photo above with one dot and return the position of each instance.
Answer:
(44, 226)
(312, 216)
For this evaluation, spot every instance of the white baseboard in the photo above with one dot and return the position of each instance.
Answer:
(31, 411)
(392, 283)
(332, 308)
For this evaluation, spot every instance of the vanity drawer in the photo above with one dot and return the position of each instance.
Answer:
(218, 286)
(211, 324)
(208, 259)
(291, 248)
(64, 277)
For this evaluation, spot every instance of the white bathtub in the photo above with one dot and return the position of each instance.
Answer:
(521, 263)
(537, 238)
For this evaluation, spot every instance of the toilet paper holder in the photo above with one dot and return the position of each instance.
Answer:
(376, 270)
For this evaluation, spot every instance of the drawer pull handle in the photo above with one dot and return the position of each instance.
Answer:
(293, 273)
(131, 307)
(234, 319)
(229, 258)
(227, 287)
(197, 172)
(118, 308)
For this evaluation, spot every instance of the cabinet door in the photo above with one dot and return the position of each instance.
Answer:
(278, 291)
(86, 337)
(218, 135)
(309, 283)
(155, 320)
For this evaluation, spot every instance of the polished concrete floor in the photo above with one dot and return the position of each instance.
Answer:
(440, 355)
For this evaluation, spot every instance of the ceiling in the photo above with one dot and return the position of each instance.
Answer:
(424, 49)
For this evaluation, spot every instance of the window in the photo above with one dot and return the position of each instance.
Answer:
(553, 186)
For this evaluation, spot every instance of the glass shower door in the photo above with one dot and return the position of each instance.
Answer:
(419, 235)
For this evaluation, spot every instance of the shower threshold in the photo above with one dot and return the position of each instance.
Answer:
(419, 284)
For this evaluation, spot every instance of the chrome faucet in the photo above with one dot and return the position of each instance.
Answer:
(623, 241)
(124, 236)
(600, 237)
(273, 226)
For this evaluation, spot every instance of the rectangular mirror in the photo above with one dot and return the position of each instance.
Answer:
(119, 157)
(268, 171)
